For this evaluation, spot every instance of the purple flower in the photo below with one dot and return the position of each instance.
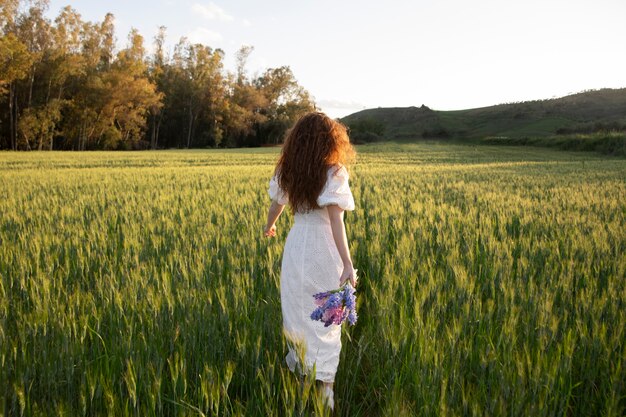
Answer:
(335, 306)
(317, 314)
(322, 295)
(352, 317)
(348, 296)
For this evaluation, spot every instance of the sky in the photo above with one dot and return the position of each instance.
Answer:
(357, 54)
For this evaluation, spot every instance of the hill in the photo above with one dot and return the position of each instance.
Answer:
(584, 112)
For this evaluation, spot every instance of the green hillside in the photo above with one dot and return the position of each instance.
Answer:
(584, 112)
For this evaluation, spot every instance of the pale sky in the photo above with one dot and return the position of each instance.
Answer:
(356, 54)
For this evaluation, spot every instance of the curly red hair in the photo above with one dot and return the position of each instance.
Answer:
(312, 146)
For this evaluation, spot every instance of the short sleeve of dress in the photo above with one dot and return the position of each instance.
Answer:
(337, 190)
(276, 193)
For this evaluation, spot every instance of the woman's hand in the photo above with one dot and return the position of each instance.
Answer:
(269, 231)
(272, 215)
(349, 273)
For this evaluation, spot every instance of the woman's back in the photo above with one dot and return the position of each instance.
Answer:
(336, 191)
(316, 257)
(312, 264)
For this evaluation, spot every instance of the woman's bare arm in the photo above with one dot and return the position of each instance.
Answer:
(272, 215)
(341, 241)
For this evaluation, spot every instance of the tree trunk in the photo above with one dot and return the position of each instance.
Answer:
(42, 136)
(189, 127)
(16, 110)
(158, 129)
(30, 88)
(153, 133)
(49, 91)
(11, 116)
(61, 88)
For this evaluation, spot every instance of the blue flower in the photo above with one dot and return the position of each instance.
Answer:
(352, 317)
(335, 306)
(317, 314)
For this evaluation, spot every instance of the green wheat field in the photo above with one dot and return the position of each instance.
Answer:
(492, 283)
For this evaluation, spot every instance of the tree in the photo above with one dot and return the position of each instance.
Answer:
(196, 83)
(63, 85)
(38, 125)
(287, 101)
(33, 29)
(242, 60)
(245, 101)
(111, 107)
(244, 114)
(131, 95)
(66, 58)
(156, 75)
(107, 33)
(8, 12)
(15, 61)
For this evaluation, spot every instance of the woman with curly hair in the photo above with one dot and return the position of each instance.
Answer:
(311, 177)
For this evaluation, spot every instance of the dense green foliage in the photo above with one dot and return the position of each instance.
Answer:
(587, 112)
(608, 143)
(492, 283)
(63, 85)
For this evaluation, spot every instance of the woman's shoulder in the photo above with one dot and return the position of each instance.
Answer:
(338, 170)
(337, 191)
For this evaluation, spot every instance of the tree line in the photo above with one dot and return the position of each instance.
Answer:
(63, 85)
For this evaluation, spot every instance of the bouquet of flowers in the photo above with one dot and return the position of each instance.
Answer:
(336, 306)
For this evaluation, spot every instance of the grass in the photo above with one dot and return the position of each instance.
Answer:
(492, 283)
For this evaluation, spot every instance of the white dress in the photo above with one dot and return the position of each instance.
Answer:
(311, 264)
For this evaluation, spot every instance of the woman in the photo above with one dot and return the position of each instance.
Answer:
(312, 178)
